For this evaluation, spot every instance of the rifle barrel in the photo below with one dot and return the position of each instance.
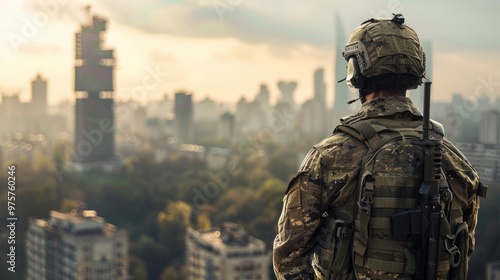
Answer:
(427, 109)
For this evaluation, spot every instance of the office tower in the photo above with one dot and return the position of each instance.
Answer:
(225, 254)
(320, 86)
(12, 112)
(94, 118)
(287, 89)
(225, 127)
(76, 245)
(320, 116)
(341, 93)
(307, 117)
(263, 100)
(39, 97)
(249, 117)
(489, 127)
(242, 113)
(160, 109)
(206, 110)
(183, 110)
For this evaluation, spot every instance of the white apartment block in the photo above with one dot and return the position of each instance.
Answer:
(225, 254)
(76, 246)
(489, 129)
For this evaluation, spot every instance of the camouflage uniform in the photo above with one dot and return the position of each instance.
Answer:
(328, 176)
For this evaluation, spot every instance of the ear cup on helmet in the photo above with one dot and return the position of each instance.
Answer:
(354, 77)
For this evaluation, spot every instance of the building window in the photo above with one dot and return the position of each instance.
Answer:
(82, 94)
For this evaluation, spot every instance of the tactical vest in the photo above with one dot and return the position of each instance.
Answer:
(356, 240)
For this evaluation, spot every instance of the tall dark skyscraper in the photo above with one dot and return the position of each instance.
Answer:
(184, 117)
(94, 119)
(39, 97)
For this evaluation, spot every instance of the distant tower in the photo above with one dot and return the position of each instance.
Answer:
(417, 95)
(94, 119)
(12, 112)
(320, 117)
(489, 130)
(39, 97)
(319, 86)
(287, 89)
(263, 100)
(77, 245)
(341, 93)
(225, 127)
(183, 110)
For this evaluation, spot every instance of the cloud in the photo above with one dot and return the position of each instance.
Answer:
(292, 22)
(40, 49)
(56, 10)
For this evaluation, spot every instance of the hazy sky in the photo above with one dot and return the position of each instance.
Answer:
(225, 49)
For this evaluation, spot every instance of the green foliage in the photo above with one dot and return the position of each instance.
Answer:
(151, 253)
(173, 273)
(138, 269)
(156, 202)
(283, 163)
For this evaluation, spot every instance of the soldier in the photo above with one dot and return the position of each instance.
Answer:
(338, 214)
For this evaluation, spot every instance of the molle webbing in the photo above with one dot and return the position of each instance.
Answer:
(384, 193)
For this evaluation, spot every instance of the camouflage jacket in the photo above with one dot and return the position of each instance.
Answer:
(328, 175)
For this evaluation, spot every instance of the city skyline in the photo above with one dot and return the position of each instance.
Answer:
(226, 52)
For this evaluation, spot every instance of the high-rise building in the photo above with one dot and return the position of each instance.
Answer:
(206, 110)
(320, 116)
(262, 99)
(225, 127)
(287, 89)
(225, 254)
(485, 158)
(94, 118)
(13, 114)
(39, 97)
(77, 245)
(320, 86)
(489, 127)
(307, 117)
(184, 127)
(341, 93)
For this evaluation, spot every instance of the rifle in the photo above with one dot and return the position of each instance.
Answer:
(424, 221)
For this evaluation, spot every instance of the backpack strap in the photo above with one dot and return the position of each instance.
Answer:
(364, 131)
(368, 132)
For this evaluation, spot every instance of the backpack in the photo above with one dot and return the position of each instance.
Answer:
(358, 241)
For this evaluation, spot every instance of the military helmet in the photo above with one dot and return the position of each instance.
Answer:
(384, 53)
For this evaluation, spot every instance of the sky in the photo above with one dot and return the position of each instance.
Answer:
(224, 49)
